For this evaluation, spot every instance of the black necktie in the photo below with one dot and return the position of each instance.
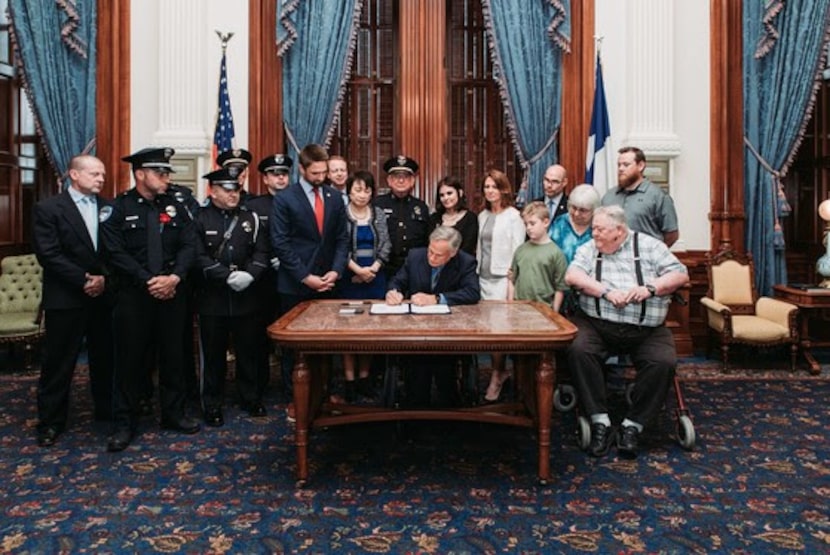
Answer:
(154, 250)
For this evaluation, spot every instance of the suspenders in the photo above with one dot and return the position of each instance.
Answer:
(638, 269)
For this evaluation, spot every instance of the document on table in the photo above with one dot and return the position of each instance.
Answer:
(430, 309)
(407, 308)
(383, 308)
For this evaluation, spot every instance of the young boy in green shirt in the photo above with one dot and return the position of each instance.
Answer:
(538, 269)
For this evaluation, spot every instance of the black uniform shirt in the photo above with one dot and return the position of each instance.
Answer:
(244, 249)
(125, 232)
(408, 222)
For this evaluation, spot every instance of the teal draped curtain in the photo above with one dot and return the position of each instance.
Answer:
(315, 40)
(527, 40)
(783, 53)
(55, 45)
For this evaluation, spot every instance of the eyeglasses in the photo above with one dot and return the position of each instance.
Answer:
(400, 176)
(580, 210)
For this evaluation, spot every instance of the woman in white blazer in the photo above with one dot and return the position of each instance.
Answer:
(500, 232)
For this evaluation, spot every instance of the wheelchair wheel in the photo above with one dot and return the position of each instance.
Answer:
(583, 434)
(564, 398)
(685, 432)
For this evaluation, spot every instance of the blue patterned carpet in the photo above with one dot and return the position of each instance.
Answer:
(758, 481)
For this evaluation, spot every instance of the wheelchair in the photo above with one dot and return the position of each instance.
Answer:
(565, 400)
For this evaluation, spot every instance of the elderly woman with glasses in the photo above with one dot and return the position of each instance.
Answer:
(569, 231)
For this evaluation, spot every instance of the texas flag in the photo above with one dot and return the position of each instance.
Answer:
(599, 170)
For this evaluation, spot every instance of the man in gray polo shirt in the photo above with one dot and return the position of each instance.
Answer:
(648, 208)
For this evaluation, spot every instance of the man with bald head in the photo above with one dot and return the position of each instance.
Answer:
(76, 296)
(555, 198)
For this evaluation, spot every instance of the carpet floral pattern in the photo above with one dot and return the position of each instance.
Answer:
(757, 481)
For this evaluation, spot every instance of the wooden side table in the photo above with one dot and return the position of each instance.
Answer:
(807, 300)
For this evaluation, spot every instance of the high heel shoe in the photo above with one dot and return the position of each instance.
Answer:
(497, 381)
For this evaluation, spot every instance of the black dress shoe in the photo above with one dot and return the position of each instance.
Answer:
(628, 444)
(255, 409)
(119, 440)
(47, 437)
(601, 437)
(213, 417)
(183, 424)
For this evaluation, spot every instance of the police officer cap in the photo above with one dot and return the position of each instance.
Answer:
(278, 163)
(227, 178)
(401, 163)
(236, 156)
(152, 158)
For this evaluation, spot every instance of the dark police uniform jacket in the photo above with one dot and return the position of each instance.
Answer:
(125, 234)
(224, 247)
(184, 195)
(262, 206)
(408, 222)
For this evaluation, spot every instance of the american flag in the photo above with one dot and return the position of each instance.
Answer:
(224, 134)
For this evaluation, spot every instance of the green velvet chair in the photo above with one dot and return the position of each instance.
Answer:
(21, 322)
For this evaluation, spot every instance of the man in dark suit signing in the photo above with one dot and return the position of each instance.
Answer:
(310, 238)
(438, 274)
(75, 296)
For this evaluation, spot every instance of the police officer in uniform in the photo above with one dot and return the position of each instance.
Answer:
(184, 195)
(238, 158)
(275, 173)
(406, 216)
(151, 244)
(232, 253)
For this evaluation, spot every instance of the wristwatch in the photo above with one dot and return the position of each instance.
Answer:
(437, 299)
(652, 290)
(605, 294)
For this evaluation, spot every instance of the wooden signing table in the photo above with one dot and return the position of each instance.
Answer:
(807, 300)
(531, 330)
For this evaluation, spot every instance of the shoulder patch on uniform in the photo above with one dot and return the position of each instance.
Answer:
(104, 213)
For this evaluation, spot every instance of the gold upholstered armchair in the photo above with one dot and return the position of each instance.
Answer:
(735, 314)
(21, 321)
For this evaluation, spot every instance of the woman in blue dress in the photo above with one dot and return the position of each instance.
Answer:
(363, 279)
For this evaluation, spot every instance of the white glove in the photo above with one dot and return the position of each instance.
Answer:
(239, 280)
(275, 263)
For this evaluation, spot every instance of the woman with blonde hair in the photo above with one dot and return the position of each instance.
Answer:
(500, 232)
